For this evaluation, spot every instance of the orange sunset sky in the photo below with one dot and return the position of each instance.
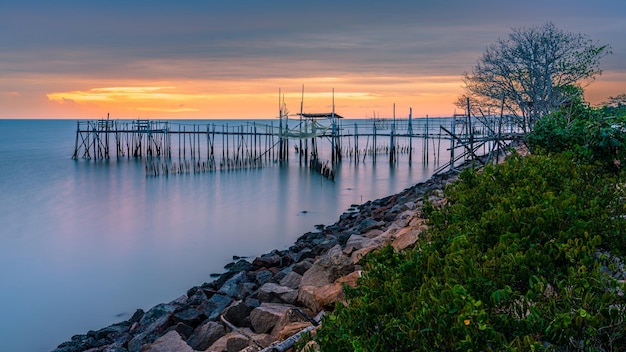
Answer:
(164, 59)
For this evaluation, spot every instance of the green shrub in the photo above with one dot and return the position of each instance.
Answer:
(592, 134)
(524, 256)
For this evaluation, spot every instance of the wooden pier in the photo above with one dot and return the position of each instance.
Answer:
(318, 140)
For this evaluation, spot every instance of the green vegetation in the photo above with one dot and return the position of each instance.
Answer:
(594, 135)
(526, 255)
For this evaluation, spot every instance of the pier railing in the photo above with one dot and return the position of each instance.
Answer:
(171, 147)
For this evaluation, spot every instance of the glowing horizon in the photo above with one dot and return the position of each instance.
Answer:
(229, 59)
(187, 101)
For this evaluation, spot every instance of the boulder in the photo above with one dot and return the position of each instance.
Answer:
(303, 266)
(219, 345)
(369, 246)
(350, 279)
(406, 238)
(215, 305)
(263, 276)
(267, 260)
(189, 316)
(236, 342)
(369, 224)
(327, 295)
(240, 265)
(291, 280)
(373, 233)
(183, 330)
(291, 329)
(354, 242)
(290, 316)
(170, 342)
(265, 317)
(408, 206)
(328, 268)
(238, 313)
(306, 298)
(230, 287)
(271, 292)
(152, 325)
(205, 335)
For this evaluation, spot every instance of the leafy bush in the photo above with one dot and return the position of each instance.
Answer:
(526, 255)
(593, 134)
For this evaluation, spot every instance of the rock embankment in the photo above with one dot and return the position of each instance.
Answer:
(278, 294)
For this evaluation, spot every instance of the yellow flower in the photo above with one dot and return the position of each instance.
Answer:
(466, 321)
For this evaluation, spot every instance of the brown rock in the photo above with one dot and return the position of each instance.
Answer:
(236, 343)
(417, 221)
(305, 297)
(406, 239)
(291, 329)
(349, 279)
(289, 317)
(219, 345)
(267, 260)
(327, 295)
(169, 342)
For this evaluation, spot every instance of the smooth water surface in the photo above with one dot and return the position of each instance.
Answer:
(83, 244)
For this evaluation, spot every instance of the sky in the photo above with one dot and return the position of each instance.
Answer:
(238, 59)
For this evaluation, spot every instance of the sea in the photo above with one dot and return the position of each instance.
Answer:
(84, 243)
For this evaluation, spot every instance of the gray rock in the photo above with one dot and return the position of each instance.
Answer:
(265, 317)
(231, 287)
(205, 335)
(354, 242)
(238, 313)
(190, 316)
(271, 292)
(152, 325)
(240, 265)
(303, 266)
(215, 305)
(291, 280)
(367, 225)
(327, 269)
(184, 330)
(263, 276)
(267, 260)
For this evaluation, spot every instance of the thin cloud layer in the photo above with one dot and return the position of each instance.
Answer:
(211, 49)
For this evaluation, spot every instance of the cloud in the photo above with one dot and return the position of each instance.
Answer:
(150, 55)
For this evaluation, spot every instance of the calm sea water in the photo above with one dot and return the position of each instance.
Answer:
(83, 244)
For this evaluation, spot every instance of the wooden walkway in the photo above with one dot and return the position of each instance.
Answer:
(171, 147)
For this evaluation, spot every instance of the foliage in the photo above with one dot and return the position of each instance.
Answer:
(525, 256)
(615, 106)
(523, 74)
(584, 130)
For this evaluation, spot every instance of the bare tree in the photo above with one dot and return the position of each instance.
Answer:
(616, 102)
(527, 74)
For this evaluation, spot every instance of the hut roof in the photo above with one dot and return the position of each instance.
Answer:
(324, 115)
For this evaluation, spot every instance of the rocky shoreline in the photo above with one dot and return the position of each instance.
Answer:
(257, 304)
